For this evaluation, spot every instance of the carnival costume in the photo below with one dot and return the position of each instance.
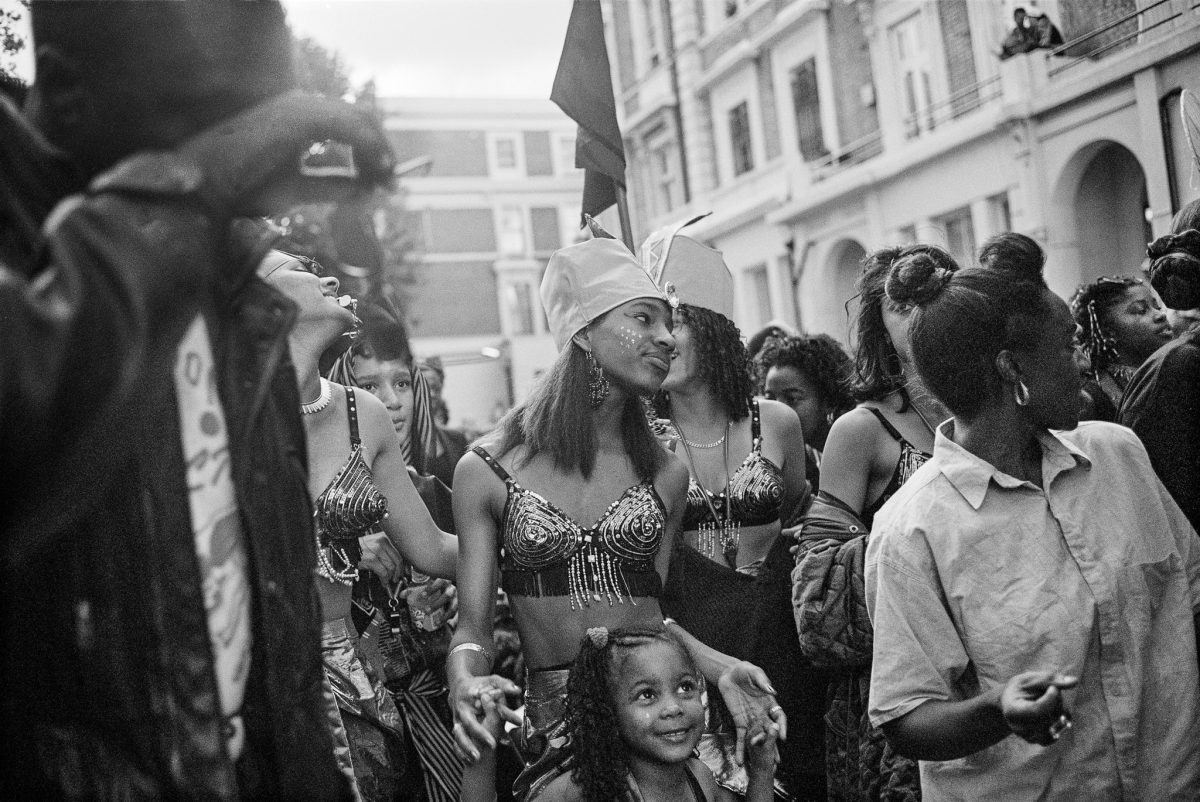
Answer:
(352, 506)
(543, 552)
(706, 591)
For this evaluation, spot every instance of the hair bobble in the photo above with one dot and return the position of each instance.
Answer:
(598, 636)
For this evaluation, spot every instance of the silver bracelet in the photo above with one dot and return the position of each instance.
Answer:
(668, 621)
(471, 647)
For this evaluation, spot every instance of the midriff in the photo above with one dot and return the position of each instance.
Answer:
(551, 631)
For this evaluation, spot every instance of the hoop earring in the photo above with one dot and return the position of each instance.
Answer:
(1021, 394)
(597, 384)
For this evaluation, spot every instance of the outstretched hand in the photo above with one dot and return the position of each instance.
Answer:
(251, 161)
(1033, 708)
(751, 701)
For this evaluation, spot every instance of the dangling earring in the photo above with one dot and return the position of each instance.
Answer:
(597, 384)
(1021, 394)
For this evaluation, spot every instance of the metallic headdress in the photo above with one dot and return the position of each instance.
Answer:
(585, 280)
(687, 271)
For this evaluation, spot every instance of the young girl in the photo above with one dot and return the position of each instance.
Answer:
(635, 714)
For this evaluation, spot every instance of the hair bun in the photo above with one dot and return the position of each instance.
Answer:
(917, 277)
(1175, 271)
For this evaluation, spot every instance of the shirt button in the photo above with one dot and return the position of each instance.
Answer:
(272, 587)
(260, 478)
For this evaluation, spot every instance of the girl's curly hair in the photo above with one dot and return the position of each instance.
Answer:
(721, 359)
(599, 758)
(1090, 306)
(877, 370)
(818, 357)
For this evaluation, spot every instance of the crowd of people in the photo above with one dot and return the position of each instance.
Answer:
(244, 559)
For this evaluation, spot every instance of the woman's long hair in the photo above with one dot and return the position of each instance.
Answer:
(600, 759)
(721, 359)
(556, 420)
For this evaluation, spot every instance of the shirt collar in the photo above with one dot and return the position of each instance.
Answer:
(971, 475)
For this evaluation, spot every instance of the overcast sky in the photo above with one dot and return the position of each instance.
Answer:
(431, 48)
(441, 48)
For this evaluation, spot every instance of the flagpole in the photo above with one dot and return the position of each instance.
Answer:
(623, 216)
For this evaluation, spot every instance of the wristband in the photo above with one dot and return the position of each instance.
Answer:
(471, 647)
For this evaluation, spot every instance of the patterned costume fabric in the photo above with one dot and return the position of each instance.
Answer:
(545, 552)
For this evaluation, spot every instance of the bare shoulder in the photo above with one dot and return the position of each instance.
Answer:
(473, 475)
(673, 475)
(776, 413)
(562, 789)
(778, 419)
(857, 428)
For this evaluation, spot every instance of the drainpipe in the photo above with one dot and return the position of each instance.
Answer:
(683, 160)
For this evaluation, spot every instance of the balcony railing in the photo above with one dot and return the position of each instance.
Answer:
(1120, 31)
(847, 155)
(964, 101)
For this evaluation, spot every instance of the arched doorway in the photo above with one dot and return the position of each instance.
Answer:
(1110, 203)
(844, 265)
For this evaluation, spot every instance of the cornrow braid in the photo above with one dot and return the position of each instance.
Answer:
(721, 359)
(599, 758)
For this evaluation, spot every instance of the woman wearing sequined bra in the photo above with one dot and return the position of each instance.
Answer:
(567, 505)
(869, 453)
(745, 460)
(360, 485)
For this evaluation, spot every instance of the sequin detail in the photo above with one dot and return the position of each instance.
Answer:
(755, 489)
(349, 507)
(545, 552)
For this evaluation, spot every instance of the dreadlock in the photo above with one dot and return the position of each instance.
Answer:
(820, 359)
(599, 758)
(721, 359)
(1090, 306)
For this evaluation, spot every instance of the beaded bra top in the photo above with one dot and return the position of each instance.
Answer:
(754, 493)
(352, 505)
(911, 458)
(545, 552)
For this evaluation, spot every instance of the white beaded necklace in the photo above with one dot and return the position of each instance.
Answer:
(321, 401)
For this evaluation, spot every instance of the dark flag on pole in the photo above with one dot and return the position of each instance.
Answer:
(583, 89)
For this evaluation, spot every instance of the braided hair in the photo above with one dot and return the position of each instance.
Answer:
(1090, 306)
(599, 758)
(721, 360)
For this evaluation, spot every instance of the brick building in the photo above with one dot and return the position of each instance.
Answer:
(500, 194)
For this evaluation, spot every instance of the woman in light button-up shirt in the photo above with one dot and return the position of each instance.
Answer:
(1033, 578)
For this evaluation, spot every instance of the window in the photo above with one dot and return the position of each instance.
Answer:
(912, 67)
(511, 228)
(565, 155)
(760, 291)
(519, 299)
(960, 235)
(664, 174)
(739, 139)
(1000, 213)
(807, 106)
(650, 18)
(504, 152)
(544, 222)
(538, 159)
